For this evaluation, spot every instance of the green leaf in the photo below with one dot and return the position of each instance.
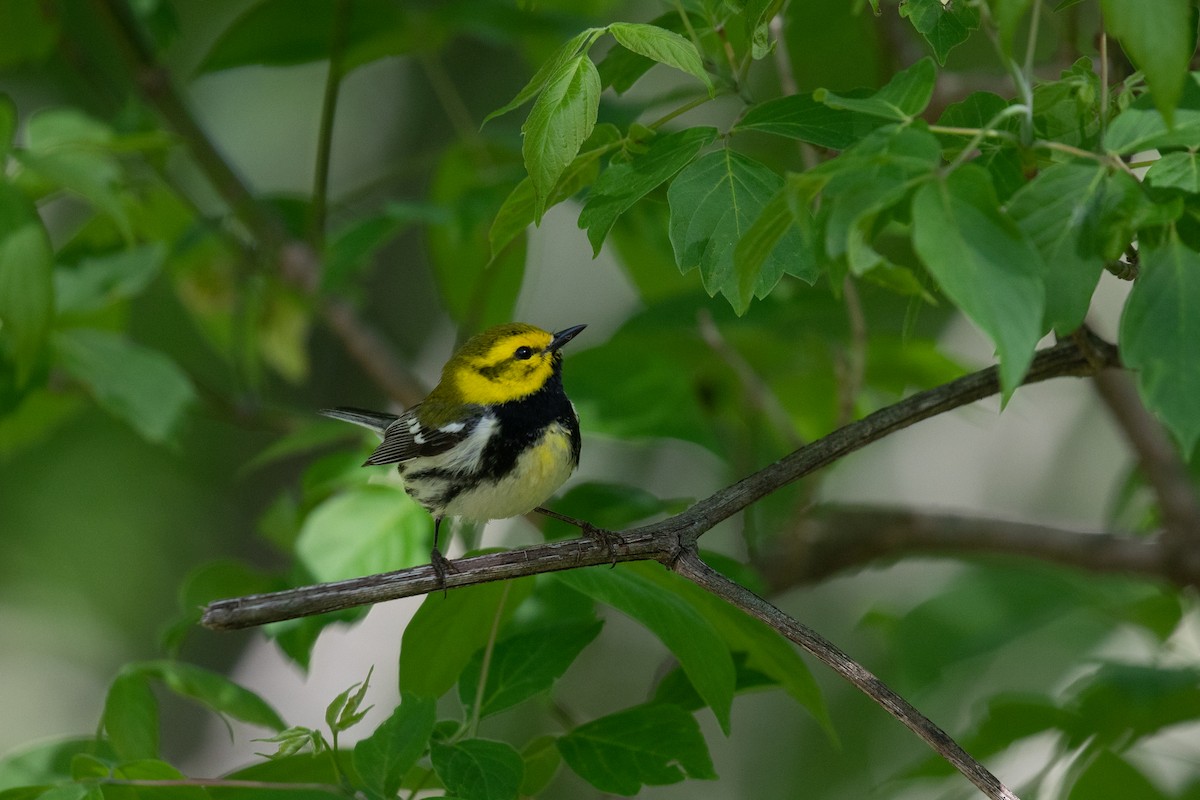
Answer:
(622, 184)
(478, 287)
(72, 151)
(582, 40)
(801, 116)
(663, 46)
(1176, 171)
(382, 759)
(713, 202)
(287, 32)
(766, 651)
(212, 689)
(1152, 698)
(346, 711)
(353, 246)
(542, 761)
(8, 125)
(518, 211)
(139, 386)
(26, 280)
(1008, 15)
(761, 239)
(647, 745)
(131, 716)
(1160, 336)
(983, 263)
(100, 281)
(48, 761)
(1052, 211)
(1160, 44)
(29, 31)
(944, 25)
(691, 637)
(479, 769)
(364, 531)
(524, 665)
(904, 97)
(560, 121)
(447, 630)
(1143, 127)
(1110, 777)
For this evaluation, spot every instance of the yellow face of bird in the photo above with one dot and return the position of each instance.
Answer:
(504, 363)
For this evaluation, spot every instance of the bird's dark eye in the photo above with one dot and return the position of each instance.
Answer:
(523, 353)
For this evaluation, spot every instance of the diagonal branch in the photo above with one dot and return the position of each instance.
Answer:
(690, 566)
(665, 539)
(673, 542)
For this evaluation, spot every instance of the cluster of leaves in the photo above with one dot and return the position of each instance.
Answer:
(1006, 209)
(497, 646)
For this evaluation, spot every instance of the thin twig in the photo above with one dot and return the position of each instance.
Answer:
(296, 261)
(690, 566)
(339, 29)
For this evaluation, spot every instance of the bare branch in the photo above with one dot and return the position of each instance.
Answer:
(1164, 469)
(835, 538)
(690, 566)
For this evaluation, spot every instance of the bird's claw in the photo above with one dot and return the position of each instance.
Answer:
(441, 565)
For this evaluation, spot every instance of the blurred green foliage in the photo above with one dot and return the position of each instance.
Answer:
(799, 195)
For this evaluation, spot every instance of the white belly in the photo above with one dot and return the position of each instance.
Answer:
(539, 472)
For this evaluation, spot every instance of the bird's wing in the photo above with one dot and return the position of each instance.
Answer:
(407, 438)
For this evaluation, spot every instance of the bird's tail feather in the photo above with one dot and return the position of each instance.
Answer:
(373, 420)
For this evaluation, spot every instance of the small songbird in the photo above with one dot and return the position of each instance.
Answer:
(494, 439)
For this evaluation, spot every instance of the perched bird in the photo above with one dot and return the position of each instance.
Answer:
(495, 437)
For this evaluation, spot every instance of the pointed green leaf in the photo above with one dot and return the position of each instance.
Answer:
(447, 630)
(131, 717)
(944, 25)
(1160, 336)
(624, 183)
(1052, 210)
(801, 116)
(1142, 126)
(287, 32)
(702, 653)
(904, 97)
(582, 40)
(1176, 171)
(364, 531)
(26, 280)
(648, 745)
(663, 46)
(560, 121)
(983, 263)
(1160, 44)
(713, 202)
(212, 689)
(102, 280)
(345, 711)
(524, 665)
(479, 769)
(139, 386)
(382, 759)
(73, 151)
(518, 211)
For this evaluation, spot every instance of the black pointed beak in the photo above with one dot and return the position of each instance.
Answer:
(564, 336)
